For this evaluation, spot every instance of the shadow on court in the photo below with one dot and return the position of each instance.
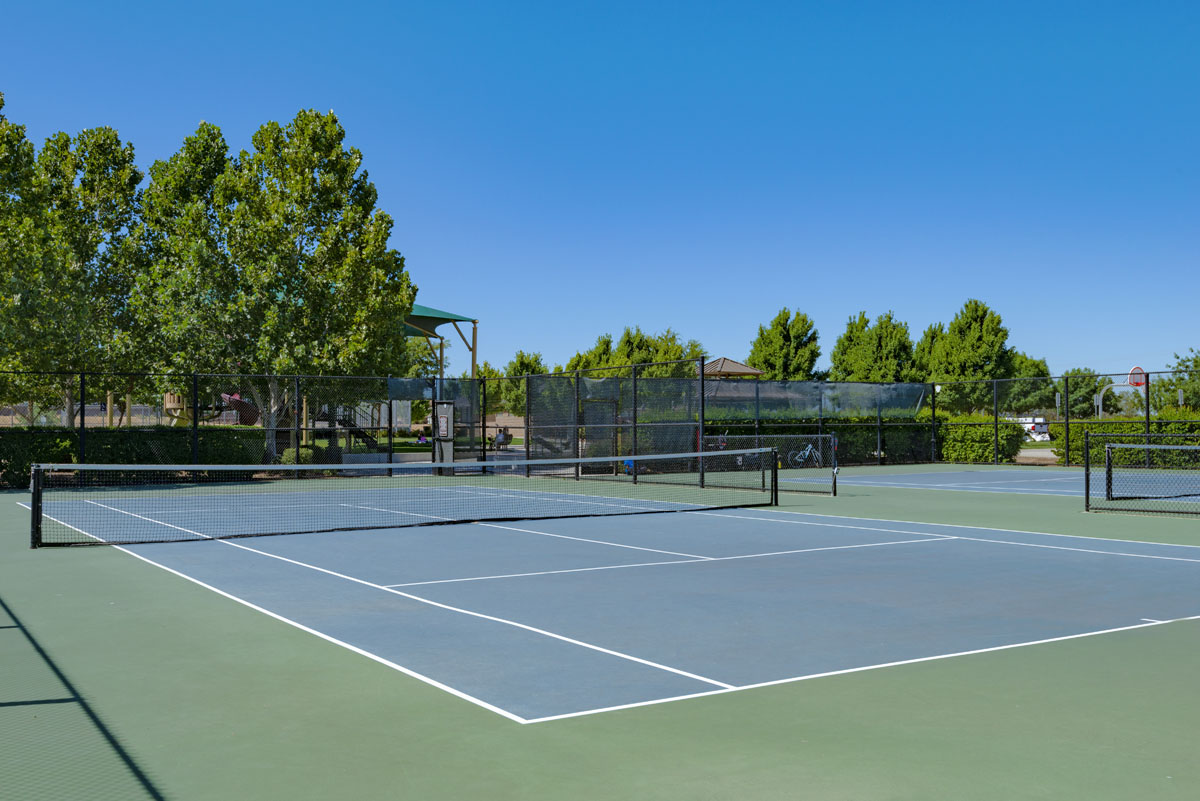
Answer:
(55, 745)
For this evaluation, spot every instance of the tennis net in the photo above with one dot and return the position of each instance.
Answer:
(130, 504)
(1163, 478)
(806, 462)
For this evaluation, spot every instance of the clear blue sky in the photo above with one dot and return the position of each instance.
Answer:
(567, 169)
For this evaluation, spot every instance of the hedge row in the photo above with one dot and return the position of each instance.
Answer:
(22, 447)
(976, 439)
(961, 438)
(1122, 429)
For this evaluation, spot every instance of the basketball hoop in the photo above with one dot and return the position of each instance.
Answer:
(1137, 377)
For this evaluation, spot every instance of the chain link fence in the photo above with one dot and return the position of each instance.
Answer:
(660, 408)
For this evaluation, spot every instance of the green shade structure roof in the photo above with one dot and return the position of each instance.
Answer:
(424, 320)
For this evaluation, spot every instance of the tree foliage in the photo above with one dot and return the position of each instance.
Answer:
(1029, 389)
(923, 351)
(275, 261)
(638, 347)
(973, 348)
(67, 260)
(787, 348)
(512, 389)
(1085, 384)
(1164, 390)
(879, 351)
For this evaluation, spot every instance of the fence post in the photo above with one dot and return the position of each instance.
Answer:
(1067, 422)
(700, 428)
(820, 409)
(995, 421)
(196, 419)
(933, 421)
(1147, 390)
(391, 424)
(634, 447)
(1087, 473)
(296, 408)
(575, 425)
(879, 425)
(483, 419)
(528, 429)
(757, 413)
(82, 417)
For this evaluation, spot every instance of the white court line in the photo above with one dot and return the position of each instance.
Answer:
(959, 537)
(374, 657)
(694, 556)
(568, 498)
(529, 531)
(965, 488)
(419, 599)
(982, 483)
(861, 669)
(706, 559)
(982, 528)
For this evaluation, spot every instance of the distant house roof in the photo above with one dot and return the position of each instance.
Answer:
(728, 368)
(424, 320)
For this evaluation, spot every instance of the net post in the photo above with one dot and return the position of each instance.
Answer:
(35, 506)
(700, 420)
(774, 477)
(1087, 469)
(1108, 493)
(196, 421)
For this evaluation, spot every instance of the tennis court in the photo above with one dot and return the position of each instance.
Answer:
(647, 654)
(542, 621)
(1021, 480)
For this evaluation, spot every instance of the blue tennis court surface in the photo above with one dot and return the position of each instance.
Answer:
(543, 619)
(1029, 481)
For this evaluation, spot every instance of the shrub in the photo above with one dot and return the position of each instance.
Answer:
(1128, 429)
(309, 454)
(970, 438)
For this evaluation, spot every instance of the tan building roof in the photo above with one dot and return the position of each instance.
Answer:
(728, 368)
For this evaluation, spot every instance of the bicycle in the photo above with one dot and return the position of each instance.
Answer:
(810, 456)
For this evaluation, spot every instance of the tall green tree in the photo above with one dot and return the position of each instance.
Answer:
(67, 260)
(275, 261)
(878, 351)
(786, 348)
(637, 347)
(973, 348)
(1164, 390)
(1085, 384)
(923, 351)
(513, 386)
(1029, 389)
